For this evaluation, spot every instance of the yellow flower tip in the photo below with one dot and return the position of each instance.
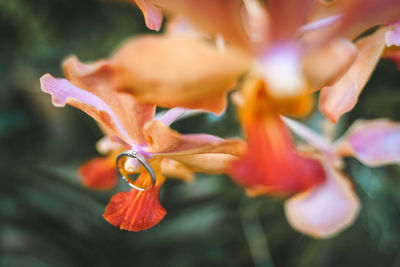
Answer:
(257, 101)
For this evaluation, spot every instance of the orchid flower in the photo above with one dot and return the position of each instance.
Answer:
(330, 207)
(129, 124)
(271, 164)
(299, 46)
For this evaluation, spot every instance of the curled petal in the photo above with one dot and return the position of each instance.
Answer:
(152, 14)
(97, 78)
(341, 97)
(136, 210)
(63, 92)
(374, 143)
(200, 152)
(271, 164)
(99, 173)
(326, 209)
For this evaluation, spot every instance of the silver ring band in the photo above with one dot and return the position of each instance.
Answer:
(143, 161)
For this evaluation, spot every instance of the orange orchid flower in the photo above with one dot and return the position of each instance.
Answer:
(130, 124)
(271, 164)
(298, 46)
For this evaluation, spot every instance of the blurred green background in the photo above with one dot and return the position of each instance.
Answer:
(47, 218)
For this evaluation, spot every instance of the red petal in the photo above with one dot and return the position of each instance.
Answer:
(99, 173)
(136, 210)
(272, 164)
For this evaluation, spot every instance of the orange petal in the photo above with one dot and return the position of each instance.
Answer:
(99, 173)
(326, 209)
(341, 97)
(97, 79)
(327, 63)
(152, 14)
(175, 169)
(271, 164)
(168, 71)
(136, 210)
(215, 17)
(200, 152)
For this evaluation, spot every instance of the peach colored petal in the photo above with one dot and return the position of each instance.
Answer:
(215, 17)
(200, 152)
(136, 210)
(341, 97)
(99, 173)
(168, 71)
(327, 63)
(152, 14)
(361, 15)
(374, 142)
(97, 78)
(325, 9)
(286, 17)
(175, 169)
(256, 20)
(326, 209)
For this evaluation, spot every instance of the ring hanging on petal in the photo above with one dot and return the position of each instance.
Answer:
(143, 161)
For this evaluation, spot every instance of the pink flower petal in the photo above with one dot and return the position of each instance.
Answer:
(63, 92)
(374, 143)
(341, 97)
(393, 35)
(152, 14)
(326, 209)
(172, 115)
(308, 135)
